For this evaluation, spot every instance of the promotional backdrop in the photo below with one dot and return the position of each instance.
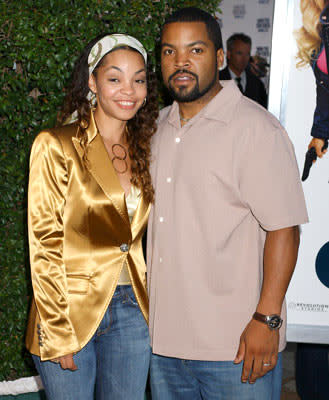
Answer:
(271, 24)
(292, 99)
(252, 17)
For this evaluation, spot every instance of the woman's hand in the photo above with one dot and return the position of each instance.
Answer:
(66, 362)
(318, 145)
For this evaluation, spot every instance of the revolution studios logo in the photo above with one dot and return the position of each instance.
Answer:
(322, 271)
(322, 265)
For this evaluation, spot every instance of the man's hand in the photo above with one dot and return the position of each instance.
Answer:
(66, 362)
(259, 344)
(258, 350)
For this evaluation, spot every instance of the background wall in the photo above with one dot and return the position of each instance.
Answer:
(292, 100)
(252, 17)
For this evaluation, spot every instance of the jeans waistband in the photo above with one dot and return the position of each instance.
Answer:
(121, 290)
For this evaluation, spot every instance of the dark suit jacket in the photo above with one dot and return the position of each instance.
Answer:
(255, 88)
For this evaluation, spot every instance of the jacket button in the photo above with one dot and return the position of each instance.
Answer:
(124, 247)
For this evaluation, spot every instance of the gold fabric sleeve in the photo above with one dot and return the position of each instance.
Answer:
(46, 200)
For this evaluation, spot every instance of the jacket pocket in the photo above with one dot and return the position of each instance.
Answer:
(78, 283)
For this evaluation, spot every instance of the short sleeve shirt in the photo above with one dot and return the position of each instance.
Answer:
(221, 181)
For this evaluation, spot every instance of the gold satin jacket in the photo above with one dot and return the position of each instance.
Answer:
(79, 236)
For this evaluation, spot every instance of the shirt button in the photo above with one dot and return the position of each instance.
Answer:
(160, 259)
(161, 219)
(169, 179)
(124, 247)
(177, 140)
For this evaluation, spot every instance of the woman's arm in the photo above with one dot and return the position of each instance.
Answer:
(320, 127)
(46, 201)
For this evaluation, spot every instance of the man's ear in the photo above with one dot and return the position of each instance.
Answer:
(220, 58)
(92, 83)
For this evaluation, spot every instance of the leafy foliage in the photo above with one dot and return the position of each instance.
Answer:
(39, 42)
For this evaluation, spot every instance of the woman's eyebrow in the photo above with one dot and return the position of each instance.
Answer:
(140, 70)
(113, 67)
(120, 70)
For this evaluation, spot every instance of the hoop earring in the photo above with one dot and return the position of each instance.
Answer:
(144, 102)
(91, 96)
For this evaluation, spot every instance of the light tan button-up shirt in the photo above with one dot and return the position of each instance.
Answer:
(221, 181)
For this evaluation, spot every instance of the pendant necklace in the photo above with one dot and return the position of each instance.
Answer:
(120, 154)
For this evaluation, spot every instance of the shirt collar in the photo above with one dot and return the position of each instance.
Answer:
(220, 108)
(233, 75)
(243, 77)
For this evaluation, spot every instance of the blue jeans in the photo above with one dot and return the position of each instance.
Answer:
(115, 362)
(177, 379)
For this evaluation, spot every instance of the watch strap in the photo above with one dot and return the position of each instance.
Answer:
(273, 321)
(260, 317)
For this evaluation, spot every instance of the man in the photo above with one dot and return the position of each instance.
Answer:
(238, 48)
(223, 234)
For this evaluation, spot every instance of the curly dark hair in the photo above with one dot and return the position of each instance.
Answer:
(140, 129)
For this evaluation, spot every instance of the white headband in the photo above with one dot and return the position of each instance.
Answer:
(108, 43)
(102, 47)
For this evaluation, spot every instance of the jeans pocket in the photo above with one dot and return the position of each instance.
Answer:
(130, 298)
(106, 322)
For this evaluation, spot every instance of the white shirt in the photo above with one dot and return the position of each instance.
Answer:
(243, 77)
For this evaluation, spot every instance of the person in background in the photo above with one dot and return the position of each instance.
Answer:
(89, 198)
(313, 49)
(223, 233)
(238, 48)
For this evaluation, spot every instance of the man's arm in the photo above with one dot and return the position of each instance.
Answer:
(258, 343)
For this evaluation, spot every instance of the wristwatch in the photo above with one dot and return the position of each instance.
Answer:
(273, 321)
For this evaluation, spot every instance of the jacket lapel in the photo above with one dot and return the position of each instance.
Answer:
(100, 166)
(140, 216)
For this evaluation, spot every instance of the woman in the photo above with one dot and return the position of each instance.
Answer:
(313, 48)
(89, 197)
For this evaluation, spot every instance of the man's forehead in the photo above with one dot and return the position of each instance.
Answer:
(188, 32)
(241, 44)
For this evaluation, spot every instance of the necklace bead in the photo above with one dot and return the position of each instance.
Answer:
(118, 157)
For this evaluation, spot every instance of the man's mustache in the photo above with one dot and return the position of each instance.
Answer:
(183, 71)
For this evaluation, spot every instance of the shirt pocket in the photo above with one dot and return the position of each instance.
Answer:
(78, 283)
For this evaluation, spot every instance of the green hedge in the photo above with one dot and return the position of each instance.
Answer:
(39, 42)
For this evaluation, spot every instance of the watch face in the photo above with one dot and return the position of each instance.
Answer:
(274, 322)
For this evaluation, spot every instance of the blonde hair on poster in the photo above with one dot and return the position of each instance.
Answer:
(308, 36)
